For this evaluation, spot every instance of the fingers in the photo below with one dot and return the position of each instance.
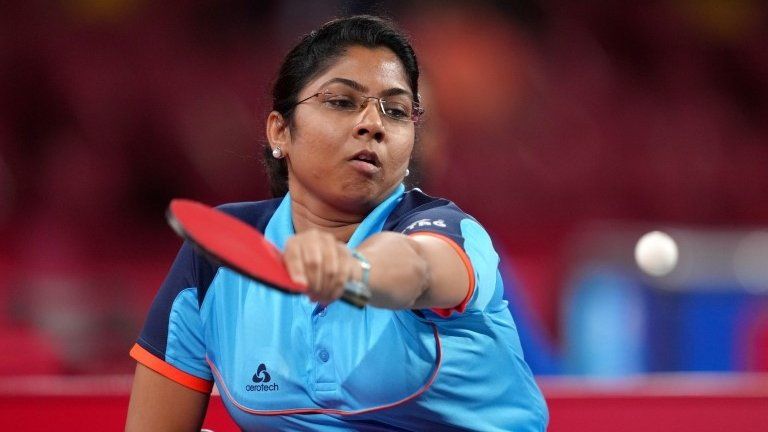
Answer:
(294, 262)
(319, 261)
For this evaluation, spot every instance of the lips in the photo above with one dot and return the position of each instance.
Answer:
(366, 163)
(367, 157)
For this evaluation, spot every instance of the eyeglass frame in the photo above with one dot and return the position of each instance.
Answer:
(418, 111)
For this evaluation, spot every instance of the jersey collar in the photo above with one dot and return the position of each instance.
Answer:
(280, 226)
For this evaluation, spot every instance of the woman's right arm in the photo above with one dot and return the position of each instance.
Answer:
(160, 404)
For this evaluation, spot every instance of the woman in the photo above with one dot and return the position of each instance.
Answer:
(435, 348)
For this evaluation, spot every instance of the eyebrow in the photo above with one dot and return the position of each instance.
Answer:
(394, 91)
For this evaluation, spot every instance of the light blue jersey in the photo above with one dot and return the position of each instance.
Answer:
(282, 362)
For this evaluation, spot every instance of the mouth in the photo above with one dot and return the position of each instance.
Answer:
(367, 157)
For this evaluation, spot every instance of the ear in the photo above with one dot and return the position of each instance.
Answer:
(278, 133)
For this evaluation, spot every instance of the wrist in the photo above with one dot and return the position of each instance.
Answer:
(365, 268)
(358, 289)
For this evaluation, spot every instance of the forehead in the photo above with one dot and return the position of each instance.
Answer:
(378, 69)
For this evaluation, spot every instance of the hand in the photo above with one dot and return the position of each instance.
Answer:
(316, 259)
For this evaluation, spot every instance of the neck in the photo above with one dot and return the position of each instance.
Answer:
(308, 213)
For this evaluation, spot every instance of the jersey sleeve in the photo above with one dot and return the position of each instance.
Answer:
(172, 340)
(470, 241)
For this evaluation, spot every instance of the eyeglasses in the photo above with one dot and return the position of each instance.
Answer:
(402, 111)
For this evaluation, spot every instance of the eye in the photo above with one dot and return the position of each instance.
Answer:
(340, 102)
(397, 111)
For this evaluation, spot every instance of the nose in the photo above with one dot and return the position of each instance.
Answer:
(371, 124)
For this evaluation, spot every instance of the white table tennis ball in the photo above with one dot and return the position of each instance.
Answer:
(656, 253)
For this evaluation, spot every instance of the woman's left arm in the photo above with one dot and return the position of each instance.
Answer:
(415, 271)
(407, 271)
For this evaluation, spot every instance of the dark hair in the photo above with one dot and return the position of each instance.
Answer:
(314, 54)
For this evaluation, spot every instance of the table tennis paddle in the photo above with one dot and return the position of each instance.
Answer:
(233, 243)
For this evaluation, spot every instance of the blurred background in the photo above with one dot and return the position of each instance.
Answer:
(569, 129)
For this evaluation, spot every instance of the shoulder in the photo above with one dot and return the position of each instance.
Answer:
(254, 213)
(192, 268)
(419, 210)
(421, 214)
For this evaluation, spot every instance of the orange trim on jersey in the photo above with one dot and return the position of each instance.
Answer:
(149, 360)
(461, 307)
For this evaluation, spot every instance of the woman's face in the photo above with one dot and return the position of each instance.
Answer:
(351, 160)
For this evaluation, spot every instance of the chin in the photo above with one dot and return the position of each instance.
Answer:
(357, 195)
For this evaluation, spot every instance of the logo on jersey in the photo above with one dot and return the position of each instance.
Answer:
(261, 378)
(261, 374)
(425, 223)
